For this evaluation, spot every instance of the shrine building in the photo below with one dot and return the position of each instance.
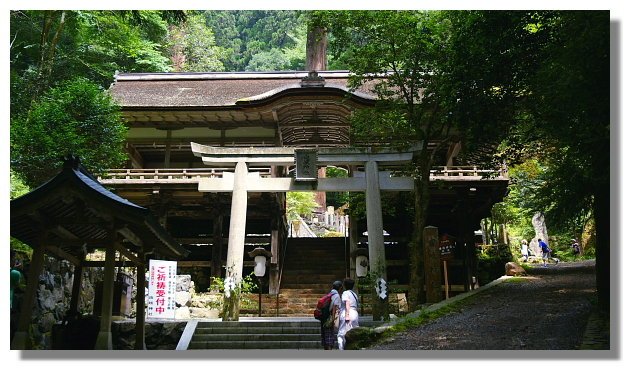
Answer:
(213, 156)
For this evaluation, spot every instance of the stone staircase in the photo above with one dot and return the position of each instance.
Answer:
(257, 334)
(310, 267)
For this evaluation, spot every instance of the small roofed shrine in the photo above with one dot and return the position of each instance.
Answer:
(72, 215)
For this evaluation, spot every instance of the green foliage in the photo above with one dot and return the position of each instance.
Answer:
(18, 187)
(337, 199)
(193, 46)
(53, 46)
(260, 40)
(517, 279)
(300, 204)
(247, 285)
(368, 337)
(491, 262)
(329, 233)
(271, 60)
(440, 83)
(106, 43)
(77, 118)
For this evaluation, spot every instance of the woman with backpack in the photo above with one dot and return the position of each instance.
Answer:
(328, 328)
(349, 318)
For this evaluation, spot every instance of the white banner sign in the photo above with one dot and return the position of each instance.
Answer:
(161, 289)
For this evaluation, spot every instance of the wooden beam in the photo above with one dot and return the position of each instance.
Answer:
(56, 251)
(101, 263)
(130, 236)
(194, 263)
(207, 263)
(128, 254)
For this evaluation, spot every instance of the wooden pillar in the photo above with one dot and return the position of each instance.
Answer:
(21, 339)
(236, 242)
(77, 285)
(376, 250)
(472, 269)
(274, 269)
(140, 343)
(104, 338)
(432, 264)
(320, 196)
(217, 247)
(352, 245)
(168, 146)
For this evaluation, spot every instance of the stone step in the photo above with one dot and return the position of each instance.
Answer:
(285, 329)
(256, 334)
(319, 281)
(258, 323)
(255, 345)
(256, 337)
(315, 288)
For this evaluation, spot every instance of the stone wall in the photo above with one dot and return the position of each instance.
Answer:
(53, 297)
(159, 335)
(54, 294)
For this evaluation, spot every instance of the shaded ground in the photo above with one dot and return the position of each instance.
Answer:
(546, 310)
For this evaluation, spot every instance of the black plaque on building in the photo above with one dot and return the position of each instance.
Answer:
(306, 164)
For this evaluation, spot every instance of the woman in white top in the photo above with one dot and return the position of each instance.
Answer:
(524, 250)
(348, 312)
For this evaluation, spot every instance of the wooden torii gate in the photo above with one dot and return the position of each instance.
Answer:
(307, 161)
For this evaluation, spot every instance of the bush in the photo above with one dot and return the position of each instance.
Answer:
(491, 262)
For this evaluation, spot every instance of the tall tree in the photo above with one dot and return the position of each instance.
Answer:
(193, 46)
(77, 118)
(428, 92)
(53, 46)
(571, 114)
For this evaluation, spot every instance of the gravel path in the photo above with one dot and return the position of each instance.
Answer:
(546, 310)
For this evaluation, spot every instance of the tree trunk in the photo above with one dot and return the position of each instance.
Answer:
(48, 48)
(316, 43)
(416, 293)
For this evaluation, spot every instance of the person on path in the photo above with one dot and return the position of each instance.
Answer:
(16, 283)
(349, 317)
(524, 250)
(546, 253)
(328, 328)
(576, 247)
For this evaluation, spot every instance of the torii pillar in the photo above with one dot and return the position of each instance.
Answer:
(236, 242)
(376, 249)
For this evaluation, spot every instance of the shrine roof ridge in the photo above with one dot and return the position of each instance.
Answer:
(226, 75)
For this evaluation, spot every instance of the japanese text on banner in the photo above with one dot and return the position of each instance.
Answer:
(161, 289)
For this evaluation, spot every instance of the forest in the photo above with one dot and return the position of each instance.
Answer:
(527, 88)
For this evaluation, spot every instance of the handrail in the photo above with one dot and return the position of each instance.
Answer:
(187, 335)
(176, 174)
(464, 171)
(191, 175)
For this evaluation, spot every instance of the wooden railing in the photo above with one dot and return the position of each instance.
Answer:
(466, 173)
(193, 175)
(167, 175)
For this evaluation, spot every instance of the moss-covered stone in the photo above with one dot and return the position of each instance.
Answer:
(361, 337)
